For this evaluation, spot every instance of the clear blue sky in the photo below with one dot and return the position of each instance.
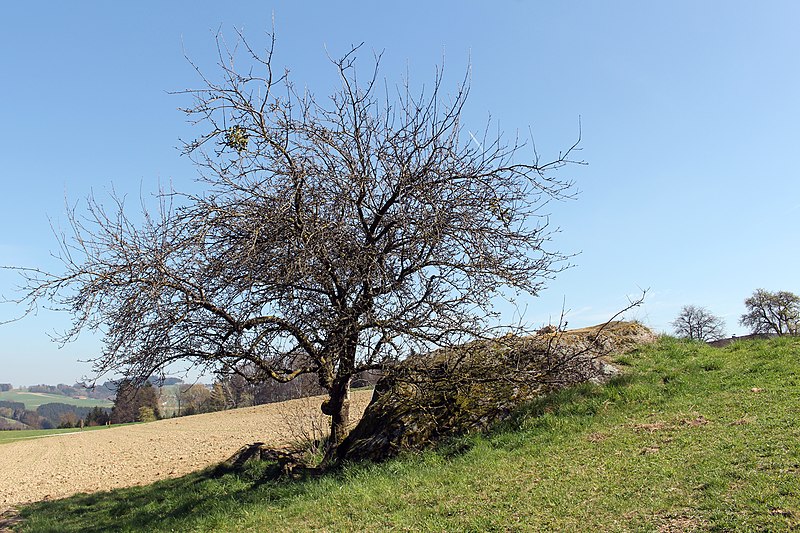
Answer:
(690, 113)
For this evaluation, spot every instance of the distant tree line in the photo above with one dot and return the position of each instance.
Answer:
(135, 403)
(15, 412)
(157, 398)
(172, 398)
(146, 402)
(237, 390)
(62, 389)
(105, 391)
(14, 415)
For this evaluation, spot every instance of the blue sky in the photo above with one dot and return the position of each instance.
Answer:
(689, 110)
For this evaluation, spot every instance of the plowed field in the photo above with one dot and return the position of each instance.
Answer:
(62, 465)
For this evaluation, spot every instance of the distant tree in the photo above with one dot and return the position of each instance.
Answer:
(242, 390)
(146, 414)
(772, 312)
(98, 416)
(130, 398)
(20, 413)
(336, 235)
(68, 420)
(193, 399)
(239, 391)
(32, 419)
(274, 391)
(125, 406)
(697, 323)
(5, 387)
(217, 400)
(54, 412)
(12, 405)
(366, 379)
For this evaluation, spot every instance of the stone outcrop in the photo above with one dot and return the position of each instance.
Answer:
(469, 388)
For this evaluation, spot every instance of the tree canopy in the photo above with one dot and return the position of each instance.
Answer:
(698, 323)
(772, 312)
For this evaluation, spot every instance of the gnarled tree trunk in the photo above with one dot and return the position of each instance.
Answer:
(337, 406)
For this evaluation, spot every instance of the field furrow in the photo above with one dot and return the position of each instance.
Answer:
(90, 461)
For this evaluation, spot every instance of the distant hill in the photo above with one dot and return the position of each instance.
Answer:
(10, 423)
(32, 400)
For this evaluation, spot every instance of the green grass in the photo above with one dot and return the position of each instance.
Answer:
(32, 400)
(23, 434)
(690, 438)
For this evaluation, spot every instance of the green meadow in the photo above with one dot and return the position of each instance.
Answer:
(32, 400)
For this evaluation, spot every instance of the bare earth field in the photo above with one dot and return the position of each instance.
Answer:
(61, 465)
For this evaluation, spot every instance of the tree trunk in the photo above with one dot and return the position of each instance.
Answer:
(337, 406)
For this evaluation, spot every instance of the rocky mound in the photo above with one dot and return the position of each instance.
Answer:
(455, 391)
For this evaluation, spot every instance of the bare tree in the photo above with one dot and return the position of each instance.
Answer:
(238, 391)
(698, 323)
(772, 312)
(335, 236)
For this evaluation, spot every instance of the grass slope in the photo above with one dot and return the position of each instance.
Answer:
(32, 400)
(10, 423)
(690, 438)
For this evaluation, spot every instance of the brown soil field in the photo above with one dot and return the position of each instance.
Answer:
(61, 465)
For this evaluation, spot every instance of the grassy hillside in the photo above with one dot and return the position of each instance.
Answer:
(32, 400)
(690, 438)
(10, 423)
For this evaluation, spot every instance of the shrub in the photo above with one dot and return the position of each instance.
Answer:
(146, 414)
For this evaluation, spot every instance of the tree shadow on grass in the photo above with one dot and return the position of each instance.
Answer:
(195, 501)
